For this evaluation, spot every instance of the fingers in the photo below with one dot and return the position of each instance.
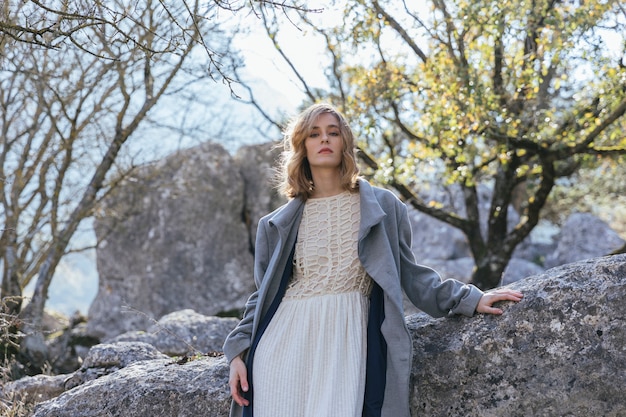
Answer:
(238, 381)
(502, 294)
(489, 298)
(491, 310)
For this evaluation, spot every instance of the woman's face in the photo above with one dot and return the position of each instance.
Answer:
(324, 145)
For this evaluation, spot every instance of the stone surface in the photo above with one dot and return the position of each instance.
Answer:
(559, 352)
(101, 360)
(257, 165)
(33, 389)
(172, 237)
(149, 388)
(106, 358)
(583, 236)
(184, 332)
(518, 269)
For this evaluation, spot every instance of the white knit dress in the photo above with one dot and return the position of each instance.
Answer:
(310, 362)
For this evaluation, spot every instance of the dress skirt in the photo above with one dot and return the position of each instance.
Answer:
(311, 359)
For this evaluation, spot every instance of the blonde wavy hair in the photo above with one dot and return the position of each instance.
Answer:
(295, 176)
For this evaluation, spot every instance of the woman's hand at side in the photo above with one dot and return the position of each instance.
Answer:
(238, 381)
(485, 305)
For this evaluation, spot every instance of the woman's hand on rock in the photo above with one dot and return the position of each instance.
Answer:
(485, 305)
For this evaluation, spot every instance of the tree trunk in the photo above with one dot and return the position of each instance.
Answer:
(10, 295)
(33, 350)
(488, 272)
(11, 291)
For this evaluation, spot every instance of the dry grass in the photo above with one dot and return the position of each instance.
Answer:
(10, 403)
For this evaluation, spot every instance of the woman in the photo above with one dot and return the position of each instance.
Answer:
(324, 334)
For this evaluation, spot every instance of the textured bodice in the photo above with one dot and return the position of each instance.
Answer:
(326, 259)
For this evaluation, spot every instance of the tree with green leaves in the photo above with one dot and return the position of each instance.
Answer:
(514, 94)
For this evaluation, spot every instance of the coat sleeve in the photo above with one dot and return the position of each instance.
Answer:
(423, 285)
(240, 339)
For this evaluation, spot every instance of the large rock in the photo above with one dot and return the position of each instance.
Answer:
(558, 352)
(31, 390)
(257, 165)
(101, 360)
(149, 388)
(172, 237)
(183, 332)
(583, 236)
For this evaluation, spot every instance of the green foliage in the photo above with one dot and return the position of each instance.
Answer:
(499, 78)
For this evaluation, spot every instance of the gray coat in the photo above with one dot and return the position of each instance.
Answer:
(385, 251)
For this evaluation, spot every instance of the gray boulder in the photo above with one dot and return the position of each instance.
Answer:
(518, 269)
(558, 352)
(107, 358)
(434, 239)
(183, 332)
(149, 388)
(101, 360)
(31, 390)
(172, 237)
(583, 236)
(257, 165)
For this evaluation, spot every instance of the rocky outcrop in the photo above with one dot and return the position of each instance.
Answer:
(149, 388)
(130, 379)
(180, 234)
(558, 352)
(101, 360)
(183, 333)
(583, 236)
(180, 337)
(257, 165)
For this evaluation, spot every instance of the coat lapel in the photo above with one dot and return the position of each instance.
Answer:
(288, 218)
(286, 222)
(371, 211)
